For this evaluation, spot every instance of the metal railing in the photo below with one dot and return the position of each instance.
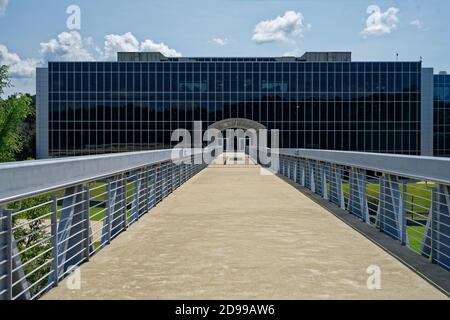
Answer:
(55, 214)
(406, 197)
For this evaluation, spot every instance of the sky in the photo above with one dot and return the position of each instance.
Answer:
(34, 32)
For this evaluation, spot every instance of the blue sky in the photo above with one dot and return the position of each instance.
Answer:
(33, 32)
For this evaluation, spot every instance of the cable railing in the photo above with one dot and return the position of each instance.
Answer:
(406, 197)
(55, 214)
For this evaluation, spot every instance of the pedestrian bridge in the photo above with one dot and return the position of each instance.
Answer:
(154, 229)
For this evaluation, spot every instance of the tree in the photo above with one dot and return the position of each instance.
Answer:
(33, 239)
(28, 130)
(13, 111)
(4, 81)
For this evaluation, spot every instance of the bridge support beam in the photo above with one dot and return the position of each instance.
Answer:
(116, 208)
(301, 172)
(436, 241)
(134, 214)
(322, 179)
(11, 270)
(357, 202)
(336, 190)
(288, 168)
(312, 175)
(147, 187)
(292, 169)
(74, 232)
(391, 207)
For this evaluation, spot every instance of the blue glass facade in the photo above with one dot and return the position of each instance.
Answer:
(441, 119)
(102, 107)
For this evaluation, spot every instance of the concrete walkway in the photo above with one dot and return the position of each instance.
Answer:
(232, 233)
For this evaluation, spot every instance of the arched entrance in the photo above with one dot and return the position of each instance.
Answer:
(239, 142)
(236, 123)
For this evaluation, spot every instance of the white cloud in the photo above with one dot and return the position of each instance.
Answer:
(68, 46)
(417, 23)
(220, 41)
(3, 5)
(128, 42)
(149, 45)
(282, 28)
(71, 46)
(379, 23)
(115, 43)
(17, 67)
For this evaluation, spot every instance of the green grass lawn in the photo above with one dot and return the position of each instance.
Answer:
(415, 236)
(98, 194)
(418, 195)
(418, 202)
(98, 191)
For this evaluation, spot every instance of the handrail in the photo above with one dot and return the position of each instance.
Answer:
(417, 167)
(56, 201)
(27, 178)
(406, 197)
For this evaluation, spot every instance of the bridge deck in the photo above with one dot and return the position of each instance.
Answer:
(231, 233)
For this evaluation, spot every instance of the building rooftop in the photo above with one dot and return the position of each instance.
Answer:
(308, 56)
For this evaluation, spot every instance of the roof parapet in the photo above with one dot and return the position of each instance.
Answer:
(140, 56)
(327, 56)
(308, 56)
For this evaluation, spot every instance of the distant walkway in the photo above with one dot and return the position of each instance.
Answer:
(231, 233)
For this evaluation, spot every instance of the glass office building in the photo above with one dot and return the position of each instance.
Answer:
(441, 108)
(319, 100)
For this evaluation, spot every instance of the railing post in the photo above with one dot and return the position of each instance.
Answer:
(163, 181)
(86, 223)
(154, 185)
(125, 201)
(295, 170)
(7, 225)
(402, 215)
(308, 174)
(363, 195)
(323, 179)
(108, 212)
(159, 182)
(288, 167)
(138, 194)
(135, 207)
(428, 245)
(148, 188)
(281, 165)
(301, 163)
(173, 174)
(312, 176)
(54, 242)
